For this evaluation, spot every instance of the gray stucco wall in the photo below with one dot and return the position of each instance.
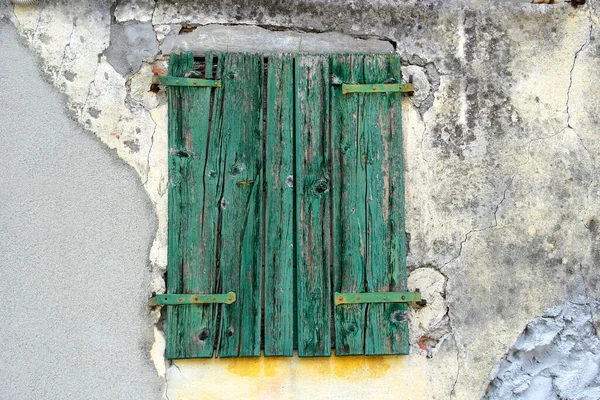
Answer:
(76, 227)
(501, 143)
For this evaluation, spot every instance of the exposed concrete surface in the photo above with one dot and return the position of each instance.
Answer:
(556, 357)
(501, 144)
(131, 43)
(256, 39)
(76, 228)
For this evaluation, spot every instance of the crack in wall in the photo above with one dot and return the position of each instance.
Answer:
(583, 46)
(423, 134)
(497, 207)
(492, 226)
(453, 391)
(430, 337)
(333, 29)
(91, 86)
(149, 153)
(64, 55)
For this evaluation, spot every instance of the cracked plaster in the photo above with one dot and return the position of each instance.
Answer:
(500, 152)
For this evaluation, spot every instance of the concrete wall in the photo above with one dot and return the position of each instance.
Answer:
(501, 147)
(76, 227)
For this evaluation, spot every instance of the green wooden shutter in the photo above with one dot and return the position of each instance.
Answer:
(305, 198)
(369, 250)
(215, 207)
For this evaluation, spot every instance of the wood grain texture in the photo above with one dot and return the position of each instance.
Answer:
(369, 237)
(349, 209)
(191, 327)
(211, 173)
(387, 327)
(240, 223)
(312, 87)
(279, 211)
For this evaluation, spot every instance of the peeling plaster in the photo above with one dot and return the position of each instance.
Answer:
(556, 357)
(131, 43)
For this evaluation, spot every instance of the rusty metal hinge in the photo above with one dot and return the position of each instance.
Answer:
(379, 297)
(179, 299)
(378, 88)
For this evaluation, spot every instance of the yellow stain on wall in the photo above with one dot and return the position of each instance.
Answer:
(255, 366)
(294, 378)
(349, 367)
(251, 367)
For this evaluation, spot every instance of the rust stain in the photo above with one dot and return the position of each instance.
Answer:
(187, 29)
(158, 70)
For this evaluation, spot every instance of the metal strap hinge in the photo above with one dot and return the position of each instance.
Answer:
(378, 88)
(379, 297)
(189, 82)
(179, 299)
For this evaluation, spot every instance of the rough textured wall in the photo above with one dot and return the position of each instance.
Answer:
(556, 357)
(501, 146)
(76, 226)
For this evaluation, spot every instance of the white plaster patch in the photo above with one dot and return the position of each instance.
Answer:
(128, 129)
(157, 184)
(429, 325)
(420, 83)
(158, 352)
(69, 43)
(138, 10)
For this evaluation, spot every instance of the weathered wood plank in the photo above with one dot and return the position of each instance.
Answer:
(279, 212)
(387, 327)
(208, 275)
(349, 203)
(174, 253)
(240, 204)
(188, 272)
(312, 87)
(369, 237)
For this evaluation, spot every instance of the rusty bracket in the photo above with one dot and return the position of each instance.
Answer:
(379, 297)
(179, 299)
(189, 82)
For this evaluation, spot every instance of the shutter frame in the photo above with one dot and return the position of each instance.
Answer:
(343, 206)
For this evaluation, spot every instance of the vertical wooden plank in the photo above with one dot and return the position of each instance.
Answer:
(279, 230)
(240, 229)
(209, 169)
(349, 208)
(312, 86)
(188, 272)
(213, 175)
(174, 256)
(386, 328)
